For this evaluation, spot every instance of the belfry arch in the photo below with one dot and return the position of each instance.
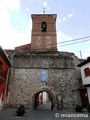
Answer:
(52, 96)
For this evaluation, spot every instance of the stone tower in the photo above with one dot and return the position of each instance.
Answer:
(43, 36)
(39, 68)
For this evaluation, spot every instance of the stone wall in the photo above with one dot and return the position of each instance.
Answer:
(62, 77)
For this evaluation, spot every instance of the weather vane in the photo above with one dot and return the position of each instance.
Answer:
(44, 10)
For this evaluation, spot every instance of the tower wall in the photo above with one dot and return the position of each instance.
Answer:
(44, 40)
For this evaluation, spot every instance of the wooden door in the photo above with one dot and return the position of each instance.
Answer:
(84, 97)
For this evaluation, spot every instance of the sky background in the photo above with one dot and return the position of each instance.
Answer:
(73, 22)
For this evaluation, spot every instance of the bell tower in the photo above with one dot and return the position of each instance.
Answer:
(43, 36)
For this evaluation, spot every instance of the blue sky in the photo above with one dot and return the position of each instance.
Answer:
(73, 21)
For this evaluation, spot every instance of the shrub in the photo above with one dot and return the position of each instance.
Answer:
(78, 108)
(21, 110)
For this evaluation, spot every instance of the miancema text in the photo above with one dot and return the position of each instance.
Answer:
(74, 115)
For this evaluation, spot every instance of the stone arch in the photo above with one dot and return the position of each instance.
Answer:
(53, 98)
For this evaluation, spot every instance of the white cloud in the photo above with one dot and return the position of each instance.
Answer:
(61, 38)
(64, 18)
(27, 9)
(59, 20)
(70, 15)
(4, 16)
(44, 4)
(11, 4)
(9, 37)
(67, 17)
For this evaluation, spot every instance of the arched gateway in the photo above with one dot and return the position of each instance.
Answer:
(52, 98)
(39, 67)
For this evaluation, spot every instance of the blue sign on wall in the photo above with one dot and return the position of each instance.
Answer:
(43, 75)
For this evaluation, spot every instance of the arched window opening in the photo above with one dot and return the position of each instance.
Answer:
(43, 26)
(87, 72)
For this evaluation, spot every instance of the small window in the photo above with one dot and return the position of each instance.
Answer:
(1, 64)
(43, 27)
(87, 72)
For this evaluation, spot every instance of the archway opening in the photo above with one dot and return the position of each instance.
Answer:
(43, 101)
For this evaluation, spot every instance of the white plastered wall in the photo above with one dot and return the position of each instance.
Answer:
(85, 80)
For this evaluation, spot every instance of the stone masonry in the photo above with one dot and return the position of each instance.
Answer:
(62, 78)
(28, 61)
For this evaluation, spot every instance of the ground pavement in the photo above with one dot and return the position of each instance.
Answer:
(45, 114)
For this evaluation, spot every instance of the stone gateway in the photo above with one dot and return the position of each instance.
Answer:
(40, 73)
(61, 83)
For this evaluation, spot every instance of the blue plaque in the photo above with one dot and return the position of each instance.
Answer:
(43, 75)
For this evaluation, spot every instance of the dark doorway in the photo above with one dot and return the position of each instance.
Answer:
(84, 97)
(43, 101)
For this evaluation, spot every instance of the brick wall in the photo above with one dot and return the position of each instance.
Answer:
(44, 41)
(23, 48)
